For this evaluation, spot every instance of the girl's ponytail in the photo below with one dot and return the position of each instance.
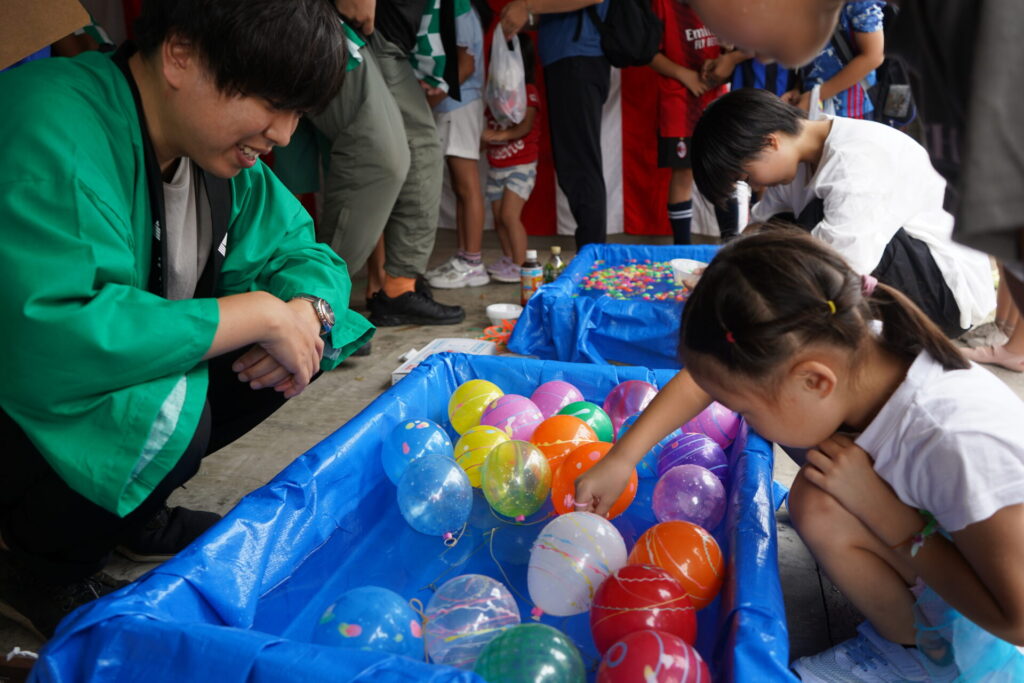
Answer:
(907, 331)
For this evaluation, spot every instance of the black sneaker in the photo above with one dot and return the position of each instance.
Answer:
(39, 606)
(422, 286)
(412, 308)
(167, 534)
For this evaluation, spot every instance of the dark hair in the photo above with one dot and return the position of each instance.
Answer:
(529, 56)
(733, 130)
(767, 295)
(289, 52)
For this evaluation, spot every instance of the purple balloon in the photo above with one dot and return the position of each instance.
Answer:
(515, 415)
(689, 493)
(694, 449)
(552, 396)
(628, 398)
(716, 421)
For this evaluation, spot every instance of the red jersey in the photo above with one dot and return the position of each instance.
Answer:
(687, 42)
(526, 149)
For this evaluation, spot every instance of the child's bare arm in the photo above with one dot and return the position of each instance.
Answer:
(677, 403)
(870, 55)
(688, 77)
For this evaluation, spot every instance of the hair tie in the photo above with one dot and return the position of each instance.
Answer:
(868, 284)
(729, 338)
(831, 306)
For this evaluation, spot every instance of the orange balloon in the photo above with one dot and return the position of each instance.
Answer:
(687, 552)
(581, 459)
(558, 435)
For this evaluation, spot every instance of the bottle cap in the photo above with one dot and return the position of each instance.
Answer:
(555, 249)
(531, 254)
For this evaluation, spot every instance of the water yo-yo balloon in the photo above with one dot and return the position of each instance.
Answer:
(654, 657)
(371, 618)
(717, 422)
(687, 552)
(638, 597)
(513, 414)
(531, 653)
(409, 440)
(467, 403)
(472, 448)
(572, 555)
(434, 495)
(552, 396)
(689, 493)
(593, 415)
(465, 614)
(694, 449)
(559, 435)
(647, 468)
(582, 458)
(515, 478)
(628, 398)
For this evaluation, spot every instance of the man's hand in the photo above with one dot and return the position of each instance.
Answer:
(598, 488)
(358, 13)
(289, 355)
(514, 17)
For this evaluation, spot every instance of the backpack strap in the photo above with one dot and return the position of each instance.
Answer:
(841, 43)
(218, 193)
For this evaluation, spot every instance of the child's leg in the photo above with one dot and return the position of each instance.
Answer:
(469, 205)
(1006, 310)
(499, 227)
(511, 218)
(864, 569)
(680, 204)
(375, 269)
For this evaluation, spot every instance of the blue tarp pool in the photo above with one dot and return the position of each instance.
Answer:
(240, 604)
(561, 322)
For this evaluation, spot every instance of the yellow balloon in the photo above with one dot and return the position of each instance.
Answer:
(468, 402)
(474, 446)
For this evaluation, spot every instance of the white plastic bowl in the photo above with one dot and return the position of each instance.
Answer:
(498, 312)
(687, 271)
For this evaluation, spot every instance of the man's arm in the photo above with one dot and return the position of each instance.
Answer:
(518, 13)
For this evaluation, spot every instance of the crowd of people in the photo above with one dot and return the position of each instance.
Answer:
(165, 291)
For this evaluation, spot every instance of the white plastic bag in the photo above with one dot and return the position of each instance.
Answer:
(505, 94)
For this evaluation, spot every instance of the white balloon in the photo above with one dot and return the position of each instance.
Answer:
(573, 554)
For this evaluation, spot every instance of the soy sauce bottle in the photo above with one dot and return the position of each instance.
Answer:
(531, 275)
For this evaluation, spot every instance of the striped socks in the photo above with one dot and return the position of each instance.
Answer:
(680, 215)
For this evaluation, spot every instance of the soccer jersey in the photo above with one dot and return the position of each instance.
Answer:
(687, 42)
(524, 150)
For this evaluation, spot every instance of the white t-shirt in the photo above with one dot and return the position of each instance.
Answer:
(189, 230)
(874, 180)
(950, 442)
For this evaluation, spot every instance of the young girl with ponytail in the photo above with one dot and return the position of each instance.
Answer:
(911, 497)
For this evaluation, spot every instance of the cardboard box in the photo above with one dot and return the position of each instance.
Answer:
(27, 26)
(476, 347)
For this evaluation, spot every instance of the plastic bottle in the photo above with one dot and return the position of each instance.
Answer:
(531, 275)
(555, 265)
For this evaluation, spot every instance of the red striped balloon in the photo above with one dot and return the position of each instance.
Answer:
(639, 597)
(652, 657)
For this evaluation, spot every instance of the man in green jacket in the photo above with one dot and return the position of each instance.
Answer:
(161, 291)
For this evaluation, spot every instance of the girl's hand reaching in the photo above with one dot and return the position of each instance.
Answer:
(598, 488)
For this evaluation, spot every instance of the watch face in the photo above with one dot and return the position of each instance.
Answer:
(328, 312)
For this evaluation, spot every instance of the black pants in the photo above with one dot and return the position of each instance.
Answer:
(57, 535)
(577, 88)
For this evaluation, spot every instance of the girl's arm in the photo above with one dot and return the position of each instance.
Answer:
(870, 55)
(679, 402)
(515, 132)
(688, 77)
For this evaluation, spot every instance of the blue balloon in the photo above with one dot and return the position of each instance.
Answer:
(411, 439)
(372, 618)
(435, 496)
(648, 466)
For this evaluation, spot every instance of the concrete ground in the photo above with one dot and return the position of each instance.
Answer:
(818, 616)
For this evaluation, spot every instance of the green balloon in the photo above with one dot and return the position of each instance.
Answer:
(531, 653)
(593, 415)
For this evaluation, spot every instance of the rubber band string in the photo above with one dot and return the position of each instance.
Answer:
(917, 540)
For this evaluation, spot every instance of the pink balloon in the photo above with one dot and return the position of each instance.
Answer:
(716, 421)
(515, 415)
(689, 493)
(628, 398)
(552, 396)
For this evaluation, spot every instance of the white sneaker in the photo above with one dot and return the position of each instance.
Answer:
(461, 274)
(870, 658)
(443, 268)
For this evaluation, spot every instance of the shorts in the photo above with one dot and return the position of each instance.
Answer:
(673, 152)
(519, 179)
(459, 130)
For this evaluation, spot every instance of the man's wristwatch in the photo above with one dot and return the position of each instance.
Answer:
(323, 310)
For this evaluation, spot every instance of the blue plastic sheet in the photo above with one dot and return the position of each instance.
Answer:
(561, 323)
(240, 604)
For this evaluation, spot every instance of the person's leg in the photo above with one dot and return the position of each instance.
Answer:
(465, 175)
(680, 204)
(511, 217)
(1007, 315)
(576, 89)
(375, 269)
(368, 164)
(728, 219)
(1011, 354)
(501, 230)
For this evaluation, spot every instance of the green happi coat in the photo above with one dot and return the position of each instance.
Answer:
(106, 378)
